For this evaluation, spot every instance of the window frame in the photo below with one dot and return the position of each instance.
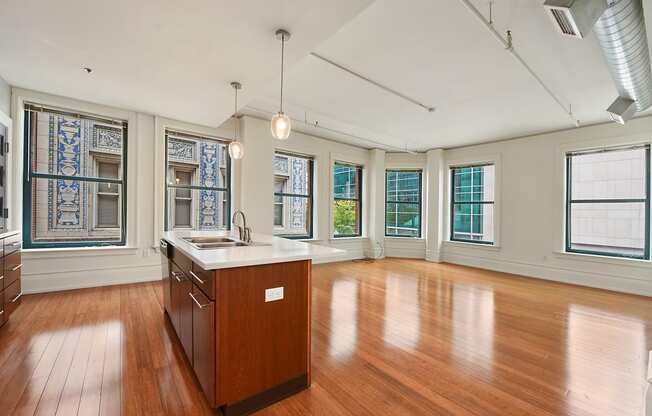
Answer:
(191, 172)
(569, 202)
(451, 236)
(309, 197)
(29, 176)
(227, 181)
(359, 169)
(420, 203)
(96, 220)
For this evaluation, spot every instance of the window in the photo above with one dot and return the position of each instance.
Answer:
(347, 200)
(403, 203)
(74, 179)
(293, 176)
(279, 211)
(472, 204)
(198, 178)
(108, 197)
(182, 198)
(608, 202)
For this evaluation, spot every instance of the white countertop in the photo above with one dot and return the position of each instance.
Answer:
(271, 250)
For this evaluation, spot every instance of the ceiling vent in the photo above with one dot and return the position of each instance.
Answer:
(575, 18)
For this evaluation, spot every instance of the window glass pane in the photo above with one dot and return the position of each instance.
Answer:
(614, 174)
(608, 228)
(107, 170)
(203, 210)
(403, 186)
(402, 219)
(473, 222)
(72, 211)
(474, 183)
(296, 171)
(108, 209)
(208, 157)
(292, 215)
(66, 144)
(198, 162)
(345, 181)
(346, 217)
(278, 214)
(183, 212)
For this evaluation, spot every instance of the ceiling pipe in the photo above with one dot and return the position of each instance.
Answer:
(426, 107)
(623, 40)
(509, 47)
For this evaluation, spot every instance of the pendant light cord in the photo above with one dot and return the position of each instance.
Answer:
(282, 59)
(235, 116)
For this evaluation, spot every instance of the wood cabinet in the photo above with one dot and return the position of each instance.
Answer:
(203, 332)
(181, 307)
(10, 282)
(246, 351)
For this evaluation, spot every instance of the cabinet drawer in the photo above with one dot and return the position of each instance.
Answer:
(12, 244)
(12, 268)
(12, 298)
(181, 260)
(204, 279)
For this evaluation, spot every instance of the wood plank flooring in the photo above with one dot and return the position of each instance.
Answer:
(390, 337)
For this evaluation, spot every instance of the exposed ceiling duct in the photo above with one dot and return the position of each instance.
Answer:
(620, 30)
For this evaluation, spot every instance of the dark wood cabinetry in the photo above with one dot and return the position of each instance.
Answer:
(246, 351)
(11, 266)
(203, 331)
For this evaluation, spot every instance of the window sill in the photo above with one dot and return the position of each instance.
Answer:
(489, 247)
(596, 258)
(358, 238)
(406, 238)
(45, 253)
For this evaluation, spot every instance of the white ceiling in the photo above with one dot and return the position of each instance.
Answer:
(167, 57)
(439, 54)
(176, 59)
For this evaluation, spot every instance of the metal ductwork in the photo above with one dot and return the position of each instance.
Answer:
(620, 30)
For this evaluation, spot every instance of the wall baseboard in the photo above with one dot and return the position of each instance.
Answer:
(607, 282)
(40, 283)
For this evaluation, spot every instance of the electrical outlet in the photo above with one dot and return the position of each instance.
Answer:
(273, 294)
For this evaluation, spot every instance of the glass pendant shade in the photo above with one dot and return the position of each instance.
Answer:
(281, 126)
(236, 150)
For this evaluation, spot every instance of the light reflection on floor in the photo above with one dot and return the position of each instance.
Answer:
(344, 311)
(402, 320)
(597, 341)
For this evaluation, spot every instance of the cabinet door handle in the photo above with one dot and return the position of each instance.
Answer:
(17, 297)
(2, 277)
(2, 312)
(174, 274)
(197, 302)
(17, 267)
(196, 277)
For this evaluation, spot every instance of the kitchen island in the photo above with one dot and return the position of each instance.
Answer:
(241, 311)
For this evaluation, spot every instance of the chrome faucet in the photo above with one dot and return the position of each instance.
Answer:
(243, 231)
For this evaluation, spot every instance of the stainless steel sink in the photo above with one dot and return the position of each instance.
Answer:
(214, 243)
(209, 239)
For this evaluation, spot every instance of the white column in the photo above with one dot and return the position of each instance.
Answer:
(255, 175)
(435, 209)
(376, 223)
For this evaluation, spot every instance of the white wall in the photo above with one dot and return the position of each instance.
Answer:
(529, 210)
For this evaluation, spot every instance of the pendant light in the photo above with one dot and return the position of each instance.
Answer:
(236, 149)
(281, 124)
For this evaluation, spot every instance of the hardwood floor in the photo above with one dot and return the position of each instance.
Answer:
(391, 337)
